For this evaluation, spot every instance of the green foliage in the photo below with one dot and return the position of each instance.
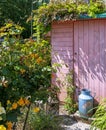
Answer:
(24, 71)
(43, 121)
(70, 104)
(19, 11)
(100, 116)
(10, 29)
(64, 10)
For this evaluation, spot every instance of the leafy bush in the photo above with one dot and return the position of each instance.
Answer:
(100, 116)
(24, 72)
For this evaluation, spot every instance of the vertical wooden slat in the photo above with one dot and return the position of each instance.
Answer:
(99, 89)
(105, 58)
(81, 54)
(86, 52)
(102, 67)
(91, 56)
(96, 60)
(76, 54)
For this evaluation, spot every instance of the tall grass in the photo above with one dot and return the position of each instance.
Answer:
(100, 116)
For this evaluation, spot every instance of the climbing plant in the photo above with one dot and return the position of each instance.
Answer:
(63, 10)
(69, 103)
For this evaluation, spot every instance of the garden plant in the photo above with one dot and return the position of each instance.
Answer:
(40, 120)
(25, 69)
(24, 73)
(100, 116)
(70, 104)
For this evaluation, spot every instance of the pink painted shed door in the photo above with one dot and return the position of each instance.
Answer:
(90, 56)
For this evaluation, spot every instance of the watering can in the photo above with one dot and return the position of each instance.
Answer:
(85, 103)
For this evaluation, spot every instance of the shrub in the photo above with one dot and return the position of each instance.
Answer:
(24, 72)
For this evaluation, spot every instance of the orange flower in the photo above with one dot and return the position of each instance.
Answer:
(32, 55)
(21, 102)
(36, 109)
(22, 71)
(9, 125)
(53, 75)
(14, 106)
(36, 56)
(39, 60)
(27, 102)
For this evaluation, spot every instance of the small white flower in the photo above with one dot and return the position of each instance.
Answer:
(2, 110)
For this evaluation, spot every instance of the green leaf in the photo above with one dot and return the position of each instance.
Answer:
(12, 116)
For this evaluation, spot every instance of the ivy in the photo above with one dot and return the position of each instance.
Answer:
(55, 11)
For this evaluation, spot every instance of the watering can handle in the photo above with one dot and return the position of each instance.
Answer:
(93, 93)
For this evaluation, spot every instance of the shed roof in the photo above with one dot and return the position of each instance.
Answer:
(85, 16)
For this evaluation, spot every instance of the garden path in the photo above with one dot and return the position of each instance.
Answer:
(70, 123)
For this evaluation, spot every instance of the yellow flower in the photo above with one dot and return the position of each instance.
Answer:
(21, 102)
(2, 127)
(9, 125)
(8, 102)
(36, 109)
(9, 25)
(9, 105)
(14, 105)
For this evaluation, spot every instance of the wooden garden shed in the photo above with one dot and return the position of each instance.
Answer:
(80, 45)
